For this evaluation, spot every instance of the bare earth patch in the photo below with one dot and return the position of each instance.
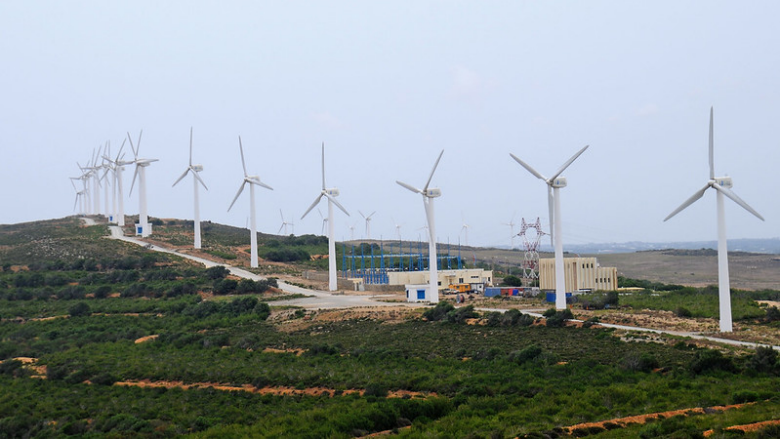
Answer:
(278, 391)
(147, 338)
(747, 427)
(642, 419)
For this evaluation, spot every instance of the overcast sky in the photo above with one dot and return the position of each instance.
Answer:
(387, 86)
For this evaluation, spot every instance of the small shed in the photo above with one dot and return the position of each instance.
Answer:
(417, 293)
(492, 292)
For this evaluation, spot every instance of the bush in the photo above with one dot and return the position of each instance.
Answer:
(558, 318)
(644, 362)
(80, 309)
(763, 360)
(438, 312)
(225, 286)
(525, 354)
(772, 314)
(710, 360)
(460, 315)
(217, 272)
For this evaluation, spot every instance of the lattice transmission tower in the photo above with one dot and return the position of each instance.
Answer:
(531, 244)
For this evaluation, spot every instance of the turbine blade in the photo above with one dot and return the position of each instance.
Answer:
(190, 146)
(260, 183)
(182, 176)
(372, 214)
(313, 204)
(361, 214)
(132, 146)
(135, 174)
(528, 167)
(241, 148)
(727, 192)
(689, 201)
(138, 146)
(197, 177)
(712, 149)
(77, 201)
(432, 171)
(337, 204)
(280, 229)
(281, 214)
(240, 189)
(568, 162)
(410, 187)
(323, 165)
(118, 154)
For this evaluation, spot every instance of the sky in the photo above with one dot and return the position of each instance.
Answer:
(387, 86)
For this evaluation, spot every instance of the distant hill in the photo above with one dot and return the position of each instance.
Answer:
(771, 246)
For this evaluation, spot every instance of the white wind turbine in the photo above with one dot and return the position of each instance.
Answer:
(511, 225)
(106, 166)
(722, 186)
(195, 169)
(554, 183)
(286, 223)
(351, 231)
(143, 227)
(368, 223)
(397, 228)
(428, 195)
(324, 222)
(79, 197)
(110, 166)
(119, 167)
(465, 229)
(330, 194)
(253, 181)
(95, 176)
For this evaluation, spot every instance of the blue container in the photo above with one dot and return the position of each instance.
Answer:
(550, 296)
(492, 292)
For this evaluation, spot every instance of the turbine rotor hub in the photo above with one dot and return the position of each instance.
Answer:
(333, 192)
(433, 192)
(559, 182)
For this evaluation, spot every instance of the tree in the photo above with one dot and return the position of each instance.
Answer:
(513, 281)
(217, 272)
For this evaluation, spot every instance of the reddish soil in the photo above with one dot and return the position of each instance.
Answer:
(280, 391)
(147, 338)
(747, 427)
(642, 419)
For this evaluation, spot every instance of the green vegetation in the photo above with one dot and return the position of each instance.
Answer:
(497, 376)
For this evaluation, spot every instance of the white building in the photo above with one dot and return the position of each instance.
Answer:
(416, 282)
(580, 274)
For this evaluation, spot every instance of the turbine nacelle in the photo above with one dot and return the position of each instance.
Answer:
(197, 168)
(559, 182)
(433, 192)
(332, 192)
(724, 182)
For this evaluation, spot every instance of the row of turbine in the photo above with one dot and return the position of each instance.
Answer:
(722, 185)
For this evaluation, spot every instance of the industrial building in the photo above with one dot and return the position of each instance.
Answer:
(581, 274)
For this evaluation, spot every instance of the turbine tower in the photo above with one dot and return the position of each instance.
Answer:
(397, 228)
(331, 195)
(143, 227)
(465, 229)
(428, 194)
(368, 223)
(253, 181)
(286, 223)
(554, 184)
(195, 169)
(119, 167)
(722, 186)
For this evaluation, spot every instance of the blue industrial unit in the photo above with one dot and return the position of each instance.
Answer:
(373, 268)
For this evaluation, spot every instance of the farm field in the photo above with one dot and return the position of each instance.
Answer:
(103, 338)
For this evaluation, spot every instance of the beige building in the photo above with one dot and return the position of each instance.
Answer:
(580, 273)
(476, 277)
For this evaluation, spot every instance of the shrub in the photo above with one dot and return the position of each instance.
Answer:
(525, 354)
(80, 309)
(710, 360)
(460, 315)
(102, 292)
(438, 312)
(558, 318)
(772, 314)
(763, 360)
(683, 312)
(217, 272)
(225, 286)
(644, 362)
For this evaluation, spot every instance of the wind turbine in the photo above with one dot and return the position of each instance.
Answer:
(79, 197)
(722, 186)
(106, 166)
(511, 225)
(465, 230)
(195, 169)
(397, 228)
(428, 194)
(331, 195)
(253, 181)
(285, 224)
(351, 230)
(143, 227)
(324, 222)
(119, 167)
(555, 183)
(368, 223)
